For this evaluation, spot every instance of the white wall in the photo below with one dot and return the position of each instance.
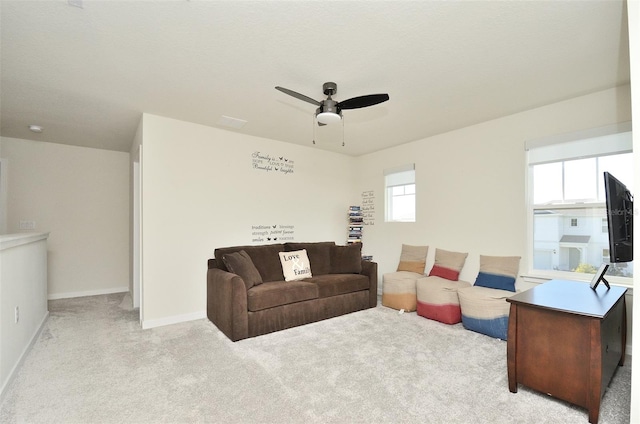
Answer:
(633, 9)
(470, 183)
(23, 285)
(3, 192)
(134, 219)
(200, 191)
(81, 196)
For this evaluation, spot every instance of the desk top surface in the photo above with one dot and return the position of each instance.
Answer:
(572, 297)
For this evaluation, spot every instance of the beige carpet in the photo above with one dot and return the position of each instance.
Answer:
(93, 364)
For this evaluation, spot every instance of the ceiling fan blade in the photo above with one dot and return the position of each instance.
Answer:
(363, 101)
(299, 96)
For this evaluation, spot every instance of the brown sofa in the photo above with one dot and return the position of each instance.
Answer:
(341, 283)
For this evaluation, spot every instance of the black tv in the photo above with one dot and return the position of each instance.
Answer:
(619, 201)
(619, 219)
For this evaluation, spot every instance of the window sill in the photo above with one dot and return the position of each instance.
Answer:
(540, 278)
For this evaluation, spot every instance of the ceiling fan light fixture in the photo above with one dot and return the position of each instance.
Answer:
(328, 118)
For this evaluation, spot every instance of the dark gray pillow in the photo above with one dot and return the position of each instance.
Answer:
(319, 254)
(346, 259)
(241, 264)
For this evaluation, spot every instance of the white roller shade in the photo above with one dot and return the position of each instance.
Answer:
(597, 142)
(400, 175)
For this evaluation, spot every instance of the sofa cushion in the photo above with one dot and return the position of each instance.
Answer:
(335, 284)
(319, 254)
(498, 272)
(413, 258)
(277, 293)
(448, 264)
(295, 265)
(346, 259)
(240, 263)
(265, 258)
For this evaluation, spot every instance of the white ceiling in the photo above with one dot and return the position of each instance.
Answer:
(86, 74)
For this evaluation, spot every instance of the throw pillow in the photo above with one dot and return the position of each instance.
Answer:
(264, 257)
(498, 272)
(448, 264)
(241, 264)
(295, 265)
(413, 258)
(346, 259)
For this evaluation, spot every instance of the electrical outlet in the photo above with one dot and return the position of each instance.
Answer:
(27, 225)
(17, 314)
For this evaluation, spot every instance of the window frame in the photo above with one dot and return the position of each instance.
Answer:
(401, 176)
(539, 274)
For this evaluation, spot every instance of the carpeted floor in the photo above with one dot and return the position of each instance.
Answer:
(93, 364)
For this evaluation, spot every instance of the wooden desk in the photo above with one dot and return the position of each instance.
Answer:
(567, 340)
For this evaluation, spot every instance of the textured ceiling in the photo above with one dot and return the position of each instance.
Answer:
(87, 74)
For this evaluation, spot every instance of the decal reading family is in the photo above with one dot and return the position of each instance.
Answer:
(368, 208)
(272, 233)
(261, 161)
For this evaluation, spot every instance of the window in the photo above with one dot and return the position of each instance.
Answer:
(568, 231)
(400, 194)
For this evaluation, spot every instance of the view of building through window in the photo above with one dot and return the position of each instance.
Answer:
(570, 231)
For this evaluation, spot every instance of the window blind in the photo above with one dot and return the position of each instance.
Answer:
(591, 143)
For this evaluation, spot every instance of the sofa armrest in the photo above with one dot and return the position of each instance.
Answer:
(370, 269)
(227, 303)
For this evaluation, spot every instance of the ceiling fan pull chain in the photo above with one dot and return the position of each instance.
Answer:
(313, 126)
(342, 131)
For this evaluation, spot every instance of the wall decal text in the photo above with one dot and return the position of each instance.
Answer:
(265, 162)
(368, 208)
(272, 233)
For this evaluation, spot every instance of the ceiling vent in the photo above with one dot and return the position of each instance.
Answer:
(235, 123)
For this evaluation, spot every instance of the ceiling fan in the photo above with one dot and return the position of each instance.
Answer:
(329, 110)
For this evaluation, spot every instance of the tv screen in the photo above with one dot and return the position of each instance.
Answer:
(619, 219)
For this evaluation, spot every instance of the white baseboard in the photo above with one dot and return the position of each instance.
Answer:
(175, 319)
(69, 295)
(23, 355)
